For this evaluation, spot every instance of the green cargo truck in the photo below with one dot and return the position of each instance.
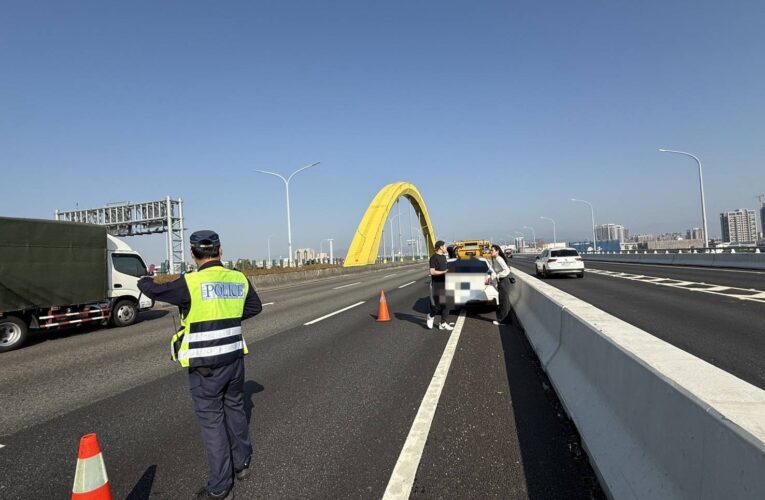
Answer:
(55, 274)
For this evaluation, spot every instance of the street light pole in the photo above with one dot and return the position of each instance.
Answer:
(555, 238)
(592, 212)
(390, 220)
(287, 190)
(269, 253)
(533, 235)
(400, 243)
(411, 231)
(321, 248)
(701, 187)
(392, 251)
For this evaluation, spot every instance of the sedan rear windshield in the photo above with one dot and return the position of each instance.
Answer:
(468, 266)
(564, 253)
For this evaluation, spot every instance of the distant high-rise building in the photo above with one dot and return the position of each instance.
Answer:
(607, 232)
(304, 254)
(670, 236)
(643, 238)
(762, 219)
(739, 226)
(694, 234)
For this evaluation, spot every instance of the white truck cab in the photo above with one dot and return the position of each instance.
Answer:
(125, 268)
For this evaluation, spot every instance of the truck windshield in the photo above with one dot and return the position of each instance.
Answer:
(131, 265)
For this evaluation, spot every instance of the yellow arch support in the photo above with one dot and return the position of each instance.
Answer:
(366, 242)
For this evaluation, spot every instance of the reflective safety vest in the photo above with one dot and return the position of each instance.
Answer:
(211, 333)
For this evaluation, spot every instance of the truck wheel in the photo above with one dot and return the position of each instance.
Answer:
(13, 333)
(124, 313)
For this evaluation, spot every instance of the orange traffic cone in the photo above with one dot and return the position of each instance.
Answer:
(90, 480)
(382, 311)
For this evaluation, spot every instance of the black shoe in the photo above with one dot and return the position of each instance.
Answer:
(205, 494)
(242, 473)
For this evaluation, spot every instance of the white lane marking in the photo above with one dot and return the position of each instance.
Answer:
(722, 290)
(407, 284)
(389, 275)
(2, 446)
(332, 314)
(665, 266)
(343, 286)
(268, 304)
(401, 480)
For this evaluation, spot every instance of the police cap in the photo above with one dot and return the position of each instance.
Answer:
(204, 239)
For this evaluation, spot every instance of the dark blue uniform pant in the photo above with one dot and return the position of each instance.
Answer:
(219, 405)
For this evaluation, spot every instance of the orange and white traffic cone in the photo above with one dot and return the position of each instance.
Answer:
(382, 311)
(90, 480)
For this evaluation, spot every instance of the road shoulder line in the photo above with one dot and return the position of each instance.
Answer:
(401, 480)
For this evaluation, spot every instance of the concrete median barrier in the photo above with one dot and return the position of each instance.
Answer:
(656, 421)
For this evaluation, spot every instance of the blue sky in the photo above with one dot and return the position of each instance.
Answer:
(499, 112)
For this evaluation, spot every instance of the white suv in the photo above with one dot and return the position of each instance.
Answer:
(559, 261)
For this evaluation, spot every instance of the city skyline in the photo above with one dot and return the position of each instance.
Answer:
(513, 108)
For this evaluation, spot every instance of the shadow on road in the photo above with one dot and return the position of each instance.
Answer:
(142, 489)
(40, 336)
(411, 318)
(421, 306)
(152, 314)
(554, 462)
(250, 388)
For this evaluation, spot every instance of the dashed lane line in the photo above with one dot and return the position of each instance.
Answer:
(401, 480)
(268, 304)
(665, 266)
(333, 313)
(343, 286)
(725, 291)
(389, 275)
(407, 284)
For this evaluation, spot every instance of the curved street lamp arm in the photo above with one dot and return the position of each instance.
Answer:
(680, 153)
(272, 173)
(300, 170)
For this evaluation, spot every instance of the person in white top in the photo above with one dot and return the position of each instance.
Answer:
(500, 272)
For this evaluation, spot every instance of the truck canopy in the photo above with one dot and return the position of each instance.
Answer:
(49, 263)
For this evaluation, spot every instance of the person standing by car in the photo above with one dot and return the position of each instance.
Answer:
(500, 271)
(213, 302)
(438, 302)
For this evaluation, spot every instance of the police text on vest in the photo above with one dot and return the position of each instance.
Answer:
(212, 291)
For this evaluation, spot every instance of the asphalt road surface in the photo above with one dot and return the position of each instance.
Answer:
(330, 404)
(717, 315)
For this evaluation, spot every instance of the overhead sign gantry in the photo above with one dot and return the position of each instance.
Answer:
(136, 219)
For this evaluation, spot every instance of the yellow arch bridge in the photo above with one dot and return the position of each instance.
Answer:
(366, 242)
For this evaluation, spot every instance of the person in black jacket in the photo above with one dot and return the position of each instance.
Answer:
(438, 302)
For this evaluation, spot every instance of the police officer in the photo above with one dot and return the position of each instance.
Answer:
(213, 302)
